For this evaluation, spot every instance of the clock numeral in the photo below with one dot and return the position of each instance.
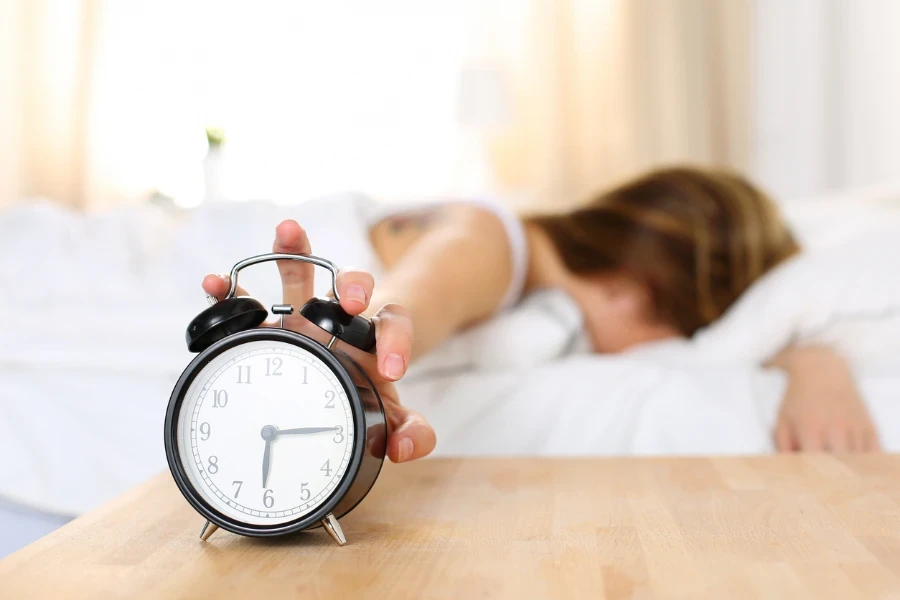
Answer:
(339, 436)
(241, 372)
(238, 490)
(326, 468)
(220, 398)
(273, 367)
(329, 396)
(304, 493)
(305, 374)
(213, 467)
(268, 499)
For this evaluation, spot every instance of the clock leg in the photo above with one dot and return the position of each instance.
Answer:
(333, 528)
(208, 530)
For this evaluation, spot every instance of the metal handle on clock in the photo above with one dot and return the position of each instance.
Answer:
(261, 258)
(328, 315)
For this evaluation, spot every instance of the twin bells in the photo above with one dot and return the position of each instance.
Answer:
(240, 313)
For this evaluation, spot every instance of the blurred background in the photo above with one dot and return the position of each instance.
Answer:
(104, 103)
(133, 136)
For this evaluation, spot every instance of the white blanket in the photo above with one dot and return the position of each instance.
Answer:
(525, 394)
(91, 340)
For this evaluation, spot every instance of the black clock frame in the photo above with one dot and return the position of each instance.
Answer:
(369, 443)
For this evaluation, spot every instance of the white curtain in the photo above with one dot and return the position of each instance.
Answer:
(605, 89)
(104, 101)
(827, 95)
(45, 74)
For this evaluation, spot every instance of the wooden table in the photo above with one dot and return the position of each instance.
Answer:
(775, 527)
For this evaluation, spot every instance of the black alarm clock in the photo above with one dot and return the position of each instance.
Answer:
(269, 431)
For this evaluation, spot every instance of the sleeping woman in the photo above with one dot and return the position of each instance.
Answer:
(659, 257)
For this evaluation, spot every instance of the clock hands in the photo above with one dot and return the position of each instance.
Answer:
(266, 462)
(269, 433)
(305, 430)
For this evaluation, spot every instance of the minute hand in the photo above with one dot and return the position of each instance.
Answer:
(305, 430)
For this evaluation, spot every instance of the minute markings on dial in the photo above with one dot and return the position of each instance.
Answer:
(278, 400)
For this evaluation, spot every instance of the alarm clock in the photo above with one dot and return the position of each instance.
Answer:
(267, 430)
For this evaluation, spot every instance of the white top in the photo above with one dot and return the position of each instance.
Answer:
(374, 212)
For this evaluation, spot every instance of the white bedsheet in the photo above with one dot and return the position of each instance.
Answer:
(588, 404)
(91, 341)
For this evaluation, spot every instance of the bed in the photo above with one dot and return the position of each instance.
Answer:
(94, 307)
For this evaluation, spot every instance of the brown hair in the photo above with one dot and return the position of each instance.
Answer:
(696, 238)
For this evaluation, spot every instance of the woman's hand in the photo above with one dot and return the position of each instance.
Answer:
(822, 408)
(409, 435)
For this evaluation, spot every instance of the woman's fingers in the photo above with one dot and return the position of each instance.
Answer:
(217, 286)
(867, 439)
(394, 336)
(296, 276)
(812, 440)
(870, 441)
(355, 288)
(841, 440)
(784, 439)
(413, 438)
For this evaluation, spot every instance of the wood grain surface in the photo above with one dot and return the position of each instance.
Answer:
(810, 526)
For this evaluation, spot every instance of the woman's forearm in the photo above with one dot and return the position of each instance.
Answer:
(451, 275)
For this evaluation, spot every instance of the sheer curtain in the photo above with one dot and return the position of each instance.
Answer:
(45, 75)
(827, 98)
(605, 89)
(104, 101)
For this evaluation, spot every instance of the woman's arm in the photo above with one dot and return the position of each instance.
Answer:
(450, 266)
(822, 409)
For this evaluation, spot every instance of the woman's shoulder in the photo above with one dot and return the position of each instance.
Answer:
(394, 228)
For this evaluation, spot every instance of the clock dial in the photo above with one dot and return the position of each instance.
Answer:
(265, 432)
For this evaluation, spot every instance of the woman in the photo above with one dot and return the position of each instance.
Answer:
(656, 258)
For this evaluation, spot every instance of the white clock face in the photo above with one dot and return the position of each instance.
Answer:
(265, 432)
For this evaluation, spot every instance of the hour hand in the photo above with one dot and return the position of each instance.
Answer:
(305, 430)
(265, 465)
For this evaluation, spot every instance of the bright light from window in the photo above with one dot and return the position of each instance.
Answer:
(313, 97)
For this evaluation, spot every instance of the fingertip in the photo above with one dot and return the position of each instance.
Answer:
(354, 299)
(413, 440)
(392, 366)
(841, 444)
(214, 285)
(781, 438)
(401, 448)
(812, 444)
(870, 442)
(288, 225)
(406, 448)
(395, 340)
(355, 287)
(288, 233)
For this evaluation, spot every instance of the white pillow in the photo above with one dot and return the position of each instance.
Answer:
(544, 326)
(845, 295)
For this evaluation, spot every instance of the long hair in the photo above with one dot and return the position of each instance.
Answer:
(695, 238)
